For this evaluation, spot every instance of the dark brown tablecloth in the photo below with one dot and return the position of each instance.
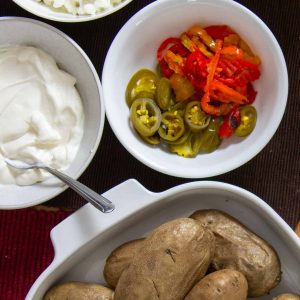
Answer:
(273, 175)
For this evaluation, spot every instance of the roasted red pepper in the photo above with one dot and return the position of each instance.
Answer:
(165, 45)
(195, 69)
(218, 31)
(231, 122)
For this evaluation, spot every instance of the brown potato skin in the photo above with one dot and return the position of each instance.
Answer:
(171, 260)
(287, 297)
(220, 285)
(119, 260)
(79, 291)
(239, 248)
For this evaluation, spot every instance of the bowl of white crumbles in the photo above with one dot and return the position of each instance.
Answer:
(72, 10)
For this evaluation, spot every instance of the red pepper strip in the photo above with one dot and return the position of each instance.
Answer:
(228, 93)
(231, 122)
(195, 69)
(233, 51)
(228, 67)
(196, 64)
(196, 40)
(175, 62)
(253, 68)
(179, 49)
(165, 70)
(218, 31)
(212, 66)
(188, 43)
(237, 73)
(202, 34)
(251, 93)
(165, 45)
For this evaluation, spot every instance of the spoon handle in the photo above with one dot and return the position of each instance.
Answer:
(95, 199)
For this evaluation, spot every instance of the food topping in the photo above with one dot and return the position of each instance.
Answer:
(209, 71)
(81, 7)
(41, 114)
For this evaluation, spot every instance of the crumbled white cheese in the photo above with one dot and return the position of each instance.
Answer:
(81, 7)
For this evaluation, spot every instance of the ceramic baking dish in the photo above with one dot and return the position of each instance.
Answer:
(84, 240)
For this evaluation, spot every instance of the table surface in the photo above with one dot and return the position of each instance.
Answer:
(273, 175)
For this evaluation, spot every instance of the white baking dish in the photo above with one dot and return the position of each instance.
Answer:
(84, 240)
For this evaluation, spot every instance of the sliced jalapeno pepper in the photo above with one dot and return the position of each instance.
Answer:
(164, 93)
(178, 108)
(210, 139)
(190, 147)
(182, 87)
(141, 85)
(183, 138)
(152, 140)
(248, 120)
(194, 117)
(145, 116)
(172, 126)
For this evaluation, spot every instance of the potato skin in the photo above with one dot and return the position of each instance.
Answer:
(287, 297)
(119, 260)
(220, 285)
(79, 291)
(239, 248)
(171, 260)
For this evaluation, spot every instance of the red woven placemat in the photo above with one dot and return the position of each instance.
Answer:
(25, 248)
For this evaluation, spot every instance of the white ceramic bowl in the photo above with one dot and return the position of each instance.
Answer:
(71, 58)
(41, 10)
(135, 47)
(83, 241)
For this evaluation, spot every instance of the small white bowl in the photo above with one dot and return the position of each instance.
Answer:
(72, 59)
(83, 241)
(135, 47)
(41, 10)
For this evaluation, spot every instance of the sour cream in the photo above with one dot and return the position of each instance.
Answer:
(41, 114)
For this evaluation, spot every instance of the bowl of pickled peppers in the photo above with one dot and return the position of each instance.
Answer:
(200, 94)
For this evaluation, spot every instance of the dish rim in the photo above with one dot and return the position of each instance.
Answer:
(101, 119)
(71, 19)
(179, 172)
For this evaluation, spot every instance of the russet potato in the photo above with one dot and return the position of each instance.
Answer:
(170, 261)
(79, 291)
(119, 260)
(237, 247)
(220, 285)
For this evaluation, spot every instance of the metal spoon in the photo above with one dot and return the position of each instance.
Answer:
(95, 199)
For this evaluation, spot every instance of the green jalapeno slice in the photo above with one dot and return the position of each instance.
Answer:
(190, 147)
(145, 116)
(248, 120)
(164, 93)
(152, 140)
(210, 139)
(171, 127)
(141, 85)
(195, 118)
(178, 108)
(183, 137)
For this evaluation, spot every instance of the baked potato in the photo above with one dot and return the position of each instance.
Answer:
(220, 285)
(119, 260)
(239, 248)
(170, 261)
(287, 297)
(79, 291)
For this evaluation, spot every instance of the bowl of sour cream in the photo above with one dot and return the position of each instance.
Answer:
(51, 110)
